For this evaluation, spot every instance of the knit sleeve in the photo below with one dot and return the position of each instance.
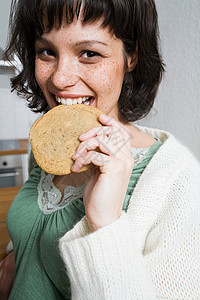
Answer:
(150, 252)
(172, 248)
(105, 264)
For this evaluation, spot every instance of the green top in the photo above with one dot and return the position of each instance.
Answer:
(40, 272)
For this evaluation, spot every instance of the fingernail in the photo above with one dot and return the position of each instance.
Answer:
(103, 116)
(83, 135)
(74, 155)
(73, 169)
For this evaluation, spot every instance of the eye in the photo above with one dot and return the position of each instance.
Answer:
(89, 54)
(90, 57)
(47, 52)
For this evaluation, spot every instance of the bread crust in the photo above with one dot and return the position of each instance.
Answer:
(55, 136)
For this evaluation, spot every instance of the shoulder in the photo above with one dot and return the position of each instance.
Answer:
(168, 190)
(140, 138)
(172, 151)
(172, 175)
(31, 185)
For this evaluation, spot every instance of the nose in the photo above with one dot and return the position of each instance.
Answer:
(65, 73)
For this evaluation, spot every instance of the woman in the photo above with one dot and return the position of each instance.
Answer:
(130, 228)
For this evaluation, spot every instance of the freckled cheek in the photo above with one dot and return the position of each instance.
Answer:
(42, 72)
(105, 78)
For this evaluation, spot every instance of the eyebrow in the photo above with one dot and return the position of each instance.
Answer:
(78, 43)
(89, 43)
(44, 40)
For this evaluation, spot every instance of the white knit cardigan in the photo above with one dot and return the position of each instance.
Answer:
(153, 250)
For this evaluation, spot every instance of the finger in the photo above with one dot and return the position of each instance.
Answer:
(111, 132)
(109, 121)
(97, 131)
(92, 157)
(112, 126)
(123, 130)
(103, 143)
(111, 145)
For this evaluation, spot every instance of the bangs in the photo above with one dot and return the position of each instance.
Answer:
(132, 21)
(51, 13)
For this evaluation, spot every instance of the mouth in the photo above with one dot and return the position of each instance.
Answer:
(73, 101)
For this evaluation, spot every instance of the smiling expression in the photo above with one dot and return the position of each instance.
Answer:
(81, 63)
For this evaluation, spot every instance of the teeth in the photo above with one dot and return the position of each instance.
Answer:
(80, 100)
(62, 101)
(73, 101)
(69, 101)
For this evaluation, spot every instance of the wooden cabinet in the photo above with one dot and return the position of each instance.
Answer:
(7, 195)
(21, 149)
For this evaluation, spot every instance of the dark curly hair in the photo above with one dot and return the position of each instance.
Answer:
(132, 21)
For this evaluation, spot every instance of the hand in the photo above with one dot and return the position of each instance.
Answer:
(105, 192)
(7, 269)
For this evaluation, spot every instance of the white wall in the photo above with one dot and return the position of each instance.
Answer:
(177, 106)
(15, 118)
(4, 18)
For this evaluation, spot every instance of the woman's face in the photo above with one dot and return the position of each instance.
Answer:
(81, 63)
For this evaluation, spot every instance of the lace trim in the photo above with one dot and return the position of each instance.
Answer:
(49, 197)
(138, 154)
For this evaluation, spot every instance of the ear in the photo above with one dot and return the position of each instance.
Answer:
(133, 59)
